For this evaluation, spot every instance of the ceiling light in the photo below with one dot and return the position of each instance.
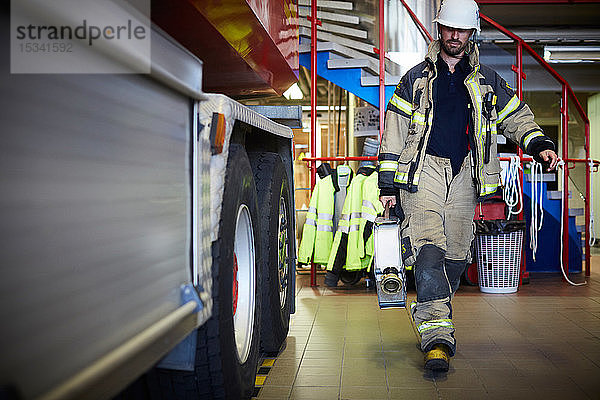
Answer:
(571, 54)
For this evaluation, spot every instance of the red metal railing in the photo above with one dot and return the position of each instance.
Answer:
(567, 93)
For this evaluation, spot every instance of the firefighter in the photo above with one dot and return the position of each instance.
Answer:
(438, 157)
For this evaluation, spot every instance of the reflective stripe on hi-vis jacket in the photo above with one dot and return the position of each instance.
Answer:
(317, 234)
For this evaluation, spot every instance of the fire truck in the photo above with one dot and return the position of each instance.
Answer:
(148, 228)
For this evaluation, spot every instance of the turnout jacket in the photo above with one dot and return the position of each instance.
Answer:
(495, 108)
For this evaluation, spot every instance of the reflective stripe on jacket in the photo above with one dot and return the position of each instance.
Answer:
(409, 118)
(317, 234)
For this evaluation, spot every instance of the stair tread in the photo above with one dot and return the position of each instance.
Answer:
(343, 51)
(330, 16)
(338, 5)
(575, 212)
(556, 194)
(374, 80)
(321, 35)
(338, 29)
(545, 177)
(353, 63)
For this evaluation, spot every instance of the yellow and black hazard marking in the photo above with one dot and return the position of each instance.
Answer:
(261, 375)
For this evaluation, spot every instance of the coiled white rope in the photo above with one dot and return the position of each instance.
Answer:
(561, 164)
(537, 205)
(592, 232)
(512, 190)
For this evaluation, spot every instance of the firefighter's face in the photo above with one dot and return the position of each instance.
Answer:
(453, 40)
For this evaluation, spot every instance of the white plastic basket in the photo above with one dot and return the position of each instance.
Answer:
(499, 261)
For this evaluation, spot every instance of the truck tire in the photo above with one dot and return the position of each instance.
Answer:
(227, 349)
(275, 206)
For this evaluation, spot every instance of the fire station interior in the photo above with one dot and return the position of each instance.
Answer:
(538, 339)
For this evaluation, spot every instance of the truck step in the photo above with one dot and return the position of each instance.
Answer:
(286, 115)
(336, 5)
(336, 29)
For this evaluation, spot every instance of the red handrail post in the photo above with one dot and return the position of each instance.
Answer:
(381, 67)
(565, 155)
(588, 191)
(313, 113)
(520, 217)
(519, 69)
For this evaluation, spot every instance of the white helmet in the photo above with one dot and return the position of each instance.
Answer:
(461, 14)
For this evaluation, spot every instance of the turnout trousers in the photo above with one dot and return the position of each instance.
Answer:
(436, 239)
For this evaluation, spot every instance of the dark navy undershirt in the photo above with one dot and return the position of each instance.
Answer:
(449, 137)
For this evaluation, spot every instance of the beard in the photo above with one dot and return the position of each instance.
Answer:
(454, 50)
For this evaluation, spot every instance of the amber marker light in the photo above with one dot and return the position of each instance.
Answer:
(217, 133)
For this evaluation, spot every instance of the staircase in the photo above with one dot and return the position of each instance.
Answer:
(549, 239)
(345, 53)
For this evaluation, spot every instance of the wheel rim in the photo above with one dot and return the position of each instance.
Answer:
(283, 263)
(244, 283)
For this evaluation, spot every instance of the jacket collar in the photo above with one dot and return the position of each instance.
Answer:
(434, 49)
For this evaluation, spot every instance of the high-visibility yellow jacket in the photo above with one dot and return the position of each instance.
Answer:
(348, 244)
(371, 207)
(317, 234)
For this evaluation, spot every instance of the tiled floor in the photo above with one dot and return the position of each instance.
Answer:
(540, 343)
